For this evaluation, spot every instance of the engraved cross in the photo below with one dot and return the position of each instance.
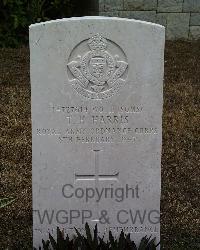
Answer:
(97, 176)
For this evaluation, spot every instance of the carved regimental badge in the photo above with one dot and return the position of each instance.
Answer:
(97, 68)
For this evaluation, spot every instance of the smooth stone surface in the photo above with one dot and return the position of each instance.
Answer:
(148, 16)
(191, 5)
(194, 32)
(140, 4)
(195, 19)
(177, 26)
(170, 5)
(161, 18)
(109, 13)
(96, 94)
(101, 5)
(112, 5)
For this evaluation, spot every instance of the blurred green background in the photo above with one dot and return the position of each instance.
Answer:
(17, 15)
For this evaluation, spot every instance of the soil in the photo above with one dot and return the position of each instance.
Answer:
(180, 217)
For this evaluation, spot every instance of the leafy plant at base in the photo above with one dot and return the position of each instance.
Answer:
(5, 202)
(94, 242)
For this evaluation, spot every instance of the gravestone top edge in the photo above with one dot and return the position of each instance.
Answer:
(96, 106)
(86, 18)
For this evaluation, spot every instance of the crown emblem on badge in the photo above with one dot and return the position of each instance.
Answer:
(97, 74)
(97, 42)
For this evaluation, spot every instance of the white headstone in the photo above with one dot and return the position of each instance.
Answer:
(96, 87)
